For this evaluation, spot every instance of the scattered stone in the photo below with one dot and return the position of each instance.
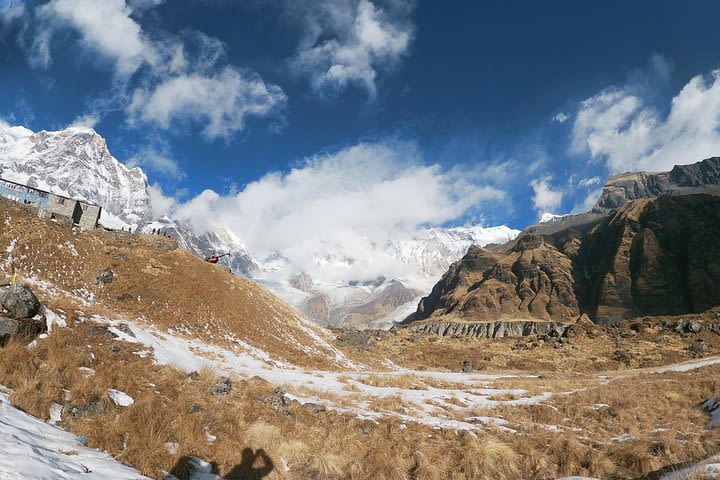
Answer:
(693, 327)
(196, 409)
(115, 349)
(222, 387)
(699, 346)
(26, 328)
(194, 375)
(277, 401)
(520, 346)
(558, 344)
(125, 328)
(103, 277)
(20, 302)
(82, 410)
(102, 331)
(467, 367)
(314, 407)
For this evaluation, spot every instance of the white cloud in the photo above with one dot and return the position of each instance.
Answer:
(221, 101)
(561, 117)
(85, 121)
(159, 202)
(157, 161)
(347, 203)
(618, 126)
(182, 75)
(545, 198)
(349, 41)
(105, 27)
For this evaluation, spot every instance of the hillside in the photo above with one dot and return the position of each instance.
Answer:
(158, 284)
(650, 255)
(176, 367)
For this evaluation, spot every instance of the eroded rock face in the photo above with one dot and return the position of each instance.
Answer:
(700, 177)
(491, 330)
(653, 256)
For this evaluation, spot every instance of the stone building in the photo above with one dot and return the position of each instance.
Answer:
(63, 209)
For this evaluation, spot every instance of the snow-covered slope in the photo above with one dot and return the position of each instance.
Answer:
(77, 163)
(35, 450)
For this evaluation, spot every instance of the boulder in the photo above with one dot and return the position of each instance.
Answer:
(698, 347)
(20, 302)
(222, 387)
(693, 327)
(103, 277)
(27, 328)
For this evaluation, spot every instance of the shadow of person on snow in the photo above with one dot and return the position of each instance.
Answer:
(247, 469)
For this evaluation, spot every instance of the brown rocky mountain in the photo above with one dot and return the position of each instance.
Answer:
(647, 256)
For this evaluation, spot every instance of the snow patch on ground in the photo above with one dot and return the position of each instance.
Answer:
(35, 450)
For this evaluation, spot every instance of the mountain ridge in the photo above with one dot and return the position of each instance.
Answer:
(76, 162)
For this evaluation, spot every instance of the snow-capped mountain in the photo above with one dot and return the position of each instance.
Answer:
(77, 163)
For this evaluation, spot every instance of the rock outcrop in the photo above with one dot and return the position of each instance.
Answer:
(492, 330)
(700, 177)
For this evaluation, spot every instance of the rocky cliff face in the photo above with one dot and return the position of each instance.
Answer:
(700, 177)
(653, 256)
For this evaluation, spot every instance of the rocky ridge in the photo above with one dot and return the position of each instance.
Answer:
(647, 255)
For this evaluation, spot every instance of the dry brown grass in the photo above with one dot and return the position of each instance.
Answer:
(151, 275)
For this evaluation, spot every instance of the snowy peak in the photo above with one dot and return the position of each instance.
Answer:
(75, 162)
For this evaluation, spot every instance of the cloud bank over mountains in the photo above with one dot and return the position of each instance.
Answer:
(349, 202)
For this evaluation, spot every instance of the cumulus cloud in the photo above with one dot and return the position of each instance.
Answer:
(221, 102)
(348, 42)
(105, 27)
(545, 197)
(159, 202)
(620, 127)
(183, 76)
(348, 203)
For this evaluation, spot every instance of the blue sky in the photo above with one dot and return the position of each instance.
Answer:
(434, 113)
